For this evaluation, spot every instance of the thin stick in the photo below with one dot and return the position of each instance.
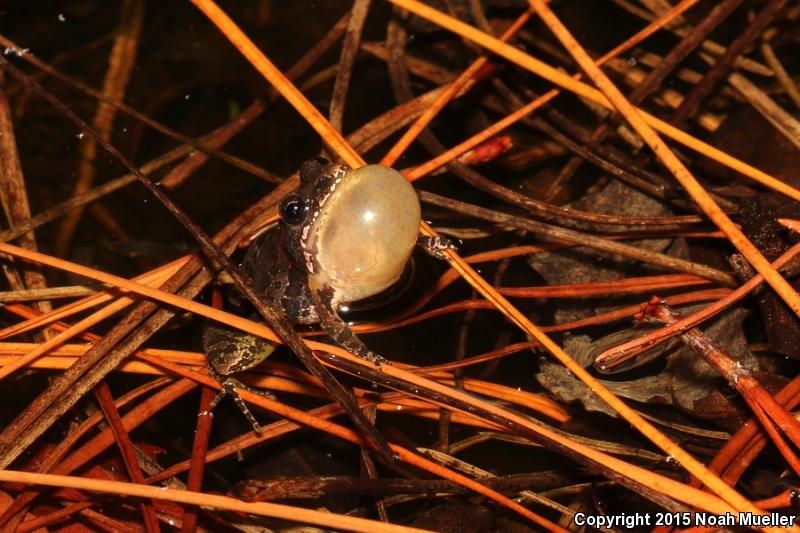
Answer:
(724, 62)
(143, 412)
(506, 122)
(782, 120)
(713, 48)
(106, 401)
(352, 40)
(121, 61)
(50, 293)
(199, 449)
(15, 199)
(783, 77)
(652, 81)
(106, 188)
(698, 193)
(96, 299)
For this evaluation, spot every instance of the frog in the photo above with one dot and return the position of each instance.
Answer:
(344, 235)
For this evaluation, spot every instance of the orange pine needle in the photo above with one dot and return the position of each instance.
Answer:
(446, 96)
(285, 512)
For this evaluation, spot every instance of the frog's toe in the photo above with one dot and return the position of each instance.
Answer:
(377, 360)
(437, 246)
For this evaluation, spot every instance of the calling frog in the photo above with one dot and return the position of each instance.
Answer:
(344, 235)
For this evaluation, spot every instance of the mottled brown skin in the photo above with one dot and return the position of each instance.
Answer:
(230, 352)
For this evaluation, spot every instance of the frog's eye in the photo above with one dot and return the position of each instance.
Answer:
(310, 170)
(293, 210)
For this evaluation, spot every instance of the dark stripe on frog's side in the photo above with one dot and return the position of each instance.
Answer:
(317, 190)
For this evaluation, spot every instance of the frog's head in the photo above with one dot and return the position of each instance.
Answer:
(351, 230)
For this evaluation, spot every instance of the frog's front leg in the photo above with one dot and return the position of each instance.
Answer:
(338, 329)
(228, 386)
(436, 246)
